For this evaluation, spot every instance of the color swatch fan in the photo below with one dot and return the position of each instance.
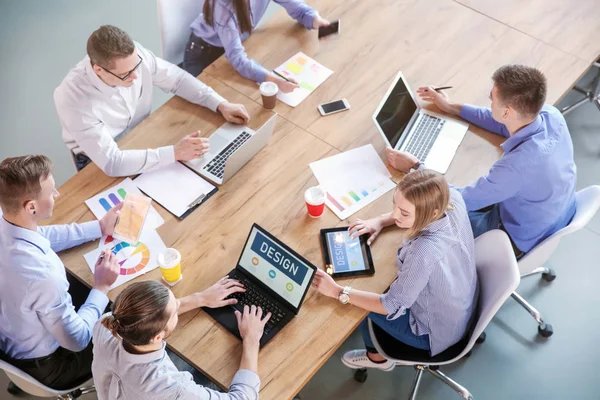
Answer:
(307, 72)
(133, 259)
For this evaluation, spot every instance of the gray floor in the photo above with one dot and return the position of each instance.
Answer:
(514, 363)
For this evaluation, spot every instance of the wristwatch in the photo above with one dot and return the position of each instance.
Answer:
(344, 297)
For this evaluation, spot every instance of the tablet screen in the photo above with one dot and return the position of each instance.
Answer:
(345, 253)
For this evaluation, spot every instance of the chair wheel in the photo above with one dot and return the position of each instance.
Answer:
(361, 375)
(549, 276)
(547, 331)
(481, 338)
(14, 389)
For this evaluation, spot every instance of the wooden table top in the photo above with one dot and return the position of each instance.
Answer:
(571, 26)
(433, 41)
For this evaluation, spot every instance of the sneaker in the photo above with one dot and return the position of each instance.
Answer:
(357, 359)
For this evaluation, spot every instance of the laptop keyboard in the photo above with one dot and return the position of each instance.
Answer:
(425, 134)
(254, 296)
(217, 165)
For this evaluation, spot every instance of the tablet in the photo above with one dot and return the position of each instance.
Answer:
(345, 256)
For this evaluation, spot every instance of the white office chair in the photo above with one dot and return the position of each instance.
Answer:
(588, 203)
(498, 276)
(174, 19)
(590, 93)
(30, 385)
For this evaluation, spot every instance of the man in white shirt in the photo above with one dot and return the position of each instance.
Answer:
(40, 331)
(110, 91)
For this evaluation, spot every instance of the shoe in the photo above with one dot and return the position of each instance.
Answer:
(358, 359)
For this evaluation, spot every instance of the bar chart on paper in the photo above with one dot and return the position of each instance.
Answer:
(352, 179)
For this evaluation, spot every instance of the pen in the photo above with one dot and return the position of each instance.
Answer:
(281, 76)
(437, 89)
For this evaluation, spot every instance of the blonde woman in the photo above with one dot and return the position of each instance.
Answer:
(431, 303)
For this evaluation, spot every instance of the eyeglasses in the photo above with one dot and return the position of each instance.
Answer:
(123, 78)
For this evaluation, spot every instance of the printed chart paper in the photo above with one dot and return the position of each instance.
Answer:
(134, 259)
(352, 179)
(307, 72)
(101, 203)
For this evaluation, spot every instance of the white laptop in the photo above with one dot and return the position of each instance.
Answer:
(231, 147)
(430, 137)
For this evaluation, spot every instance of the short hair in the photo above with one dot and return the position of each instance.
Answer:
(521, 87)
(108, 43)
(428, 191)
(139, 313)
(20, 179)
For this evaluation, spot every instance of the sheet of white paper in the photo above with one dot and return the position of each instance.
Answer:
(174, 187)
(307, 72)
(135, 260)
(352, 179)
(102, 202)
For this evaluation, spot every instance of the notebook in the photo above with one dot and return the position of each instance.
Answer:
(175, 187)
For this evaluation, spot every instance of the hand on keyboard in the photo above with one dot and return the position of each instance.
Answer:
(251, 324)
(218, 295)
(191, 147)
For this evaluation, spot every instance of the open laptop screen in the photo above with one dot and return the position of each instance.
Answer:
(396, 112)
(269, 261)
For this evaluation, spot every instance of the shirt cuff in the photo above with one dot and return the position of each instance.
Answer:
(97, 299)
(261, 75)
(309, 19)
(166, 155)
(91, 230)
(246, 377)
(468, 112)
(393, 309)
(214, 101)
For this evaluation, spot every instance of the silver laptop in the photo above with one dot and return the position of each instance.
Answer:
(430, 137)
(231, 147)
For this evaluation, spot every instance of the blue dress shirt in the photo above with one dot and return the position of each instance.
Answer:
(533, 182)
(36, 312)
(225, 32)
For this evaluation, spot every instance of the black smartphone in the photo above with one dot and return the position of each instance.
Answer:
(333, 28)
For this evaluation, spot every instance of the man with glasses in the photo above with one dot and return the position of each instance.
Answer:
(110, 91)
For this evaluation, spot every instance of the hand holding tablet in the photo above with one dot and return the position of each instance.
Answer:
(346, 256)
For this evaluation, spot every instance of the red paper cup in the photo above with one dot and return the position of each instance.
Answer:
(315, 201)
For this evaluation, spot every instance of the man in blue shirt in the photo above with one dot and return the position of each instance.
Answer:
(40, 332)
(530, 191)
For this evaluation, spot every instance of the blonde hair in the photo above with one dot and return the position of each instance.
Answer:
(20, 180)
(428, 191)
(139, 313)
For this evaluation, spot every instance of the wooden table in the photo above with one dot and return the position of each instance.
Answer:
(431, 41)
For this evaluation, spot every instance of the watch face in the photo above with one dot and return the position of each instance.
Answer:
(344, 298)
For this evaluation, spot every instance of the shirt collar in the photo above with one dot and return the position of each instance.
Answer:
(95, 79)
(437, 225)
(145, 358)
(18, 233)
(522, 135)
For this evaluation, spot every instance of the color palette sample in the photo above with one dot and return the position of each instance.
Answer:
(124, 253)
(113, 198)
(350, 198)
(307, 72)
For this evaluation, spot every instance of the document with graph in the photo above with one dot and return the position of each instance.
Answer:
(307, 72)
(102, 202)
(352, 179)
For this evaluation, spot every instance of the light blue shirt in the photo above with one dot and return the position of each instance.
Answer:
(226, 33)
(437, 279)
(36, 312)
(533, 182)
(119, 374)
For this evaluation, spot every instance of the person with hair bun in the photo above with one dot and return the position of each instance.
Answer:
(430, 306)
(130, 360)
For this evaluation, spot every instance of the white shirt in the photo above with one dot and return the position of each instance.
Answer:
(92, 114)
(120, 375)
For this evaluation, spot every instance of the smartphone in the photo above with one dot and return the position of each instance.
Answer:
(131, 219)
(334, 107)
(332, 29)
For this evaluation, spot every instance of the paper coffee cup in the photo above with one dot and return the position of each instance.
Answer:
(169, 262)
(315, 201)
(269, 90)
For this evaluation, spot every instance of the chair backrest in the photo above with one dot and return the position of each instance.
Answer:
(29, 384)
(588, 203)
(174, 19)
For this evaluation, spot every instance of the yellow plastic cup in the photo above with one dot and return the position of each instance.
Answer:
(169, 263)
